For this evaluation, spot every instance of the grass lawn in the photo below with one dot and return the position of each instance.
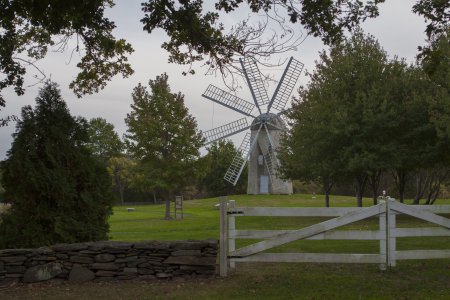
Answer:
(428, 279)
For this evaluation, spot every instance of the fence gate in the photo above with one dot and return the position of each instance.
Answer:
(386, 233)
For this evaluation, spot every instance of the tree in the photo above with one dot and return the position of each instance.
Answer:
(436, 12)
(434, 61)
(59, 193)
(163, 137)
(30, 28)
(343, 120)
(419, 146)
(2, 190)
(121, 169)
(104, 142)
(218, 160)
(196, 34)
(369, 114)
(307, 151)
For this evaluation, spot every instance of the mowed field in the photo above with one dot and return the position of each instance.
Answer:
(425, 279)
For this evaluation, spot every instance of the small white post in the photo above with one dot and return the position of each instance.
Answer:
(231, 232)
(391, 224)
(382, 229)
(223, 242)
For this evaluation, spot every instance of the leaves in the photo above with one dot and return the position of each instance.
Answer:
(436, 12)
(103, 140)
(163, 136)
(29, 29)
(362, 114)
(217, 161)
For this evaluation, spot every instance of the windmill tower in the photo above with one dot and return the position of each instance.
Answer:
(260, 144)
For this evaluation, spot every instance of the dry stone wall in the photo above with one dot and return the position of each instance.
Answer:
(109, 261)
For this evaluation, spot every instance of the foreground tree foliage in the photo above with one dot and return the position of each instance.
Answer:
(29, 29)
(163, 137)
(57, 190)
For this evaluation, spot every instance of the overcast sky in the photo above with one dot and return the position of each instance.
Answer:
(398, 30)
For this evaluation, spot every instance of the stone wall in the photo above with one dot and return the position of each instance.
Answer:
(109, 261)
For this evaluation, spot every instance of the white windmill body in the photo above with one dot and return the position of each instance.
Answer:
(262, 176)
(259, 146)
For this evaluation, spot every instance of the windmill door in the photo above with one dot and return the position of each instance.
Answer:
(264, 184)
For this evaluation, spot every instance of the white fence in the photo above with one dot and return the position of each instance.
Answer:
(386, 234)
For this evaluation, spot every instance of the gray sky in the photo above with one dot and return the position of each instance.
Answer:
(398, 30)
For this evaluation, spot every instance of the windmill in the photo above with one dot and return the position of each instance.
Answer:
(261, 142)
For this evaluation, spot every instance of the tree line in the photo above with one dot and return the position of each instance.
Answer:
(61, 172)
(364, 116)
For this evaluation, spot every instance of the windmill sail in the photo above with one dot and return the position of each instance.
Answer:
(226, 99)
(239, 160)
(257, 147)
(224, 131)
(286, 85)
(268, 161)
(255, 82)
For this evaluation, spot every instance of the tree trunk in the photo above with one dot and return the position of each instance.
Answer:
(433, 199)
(168, 197)
(435, 185)
(422, 178)
(327, 199)
(360, 183)
(400, 181)
(154, 198)
(121, 191)
(327, 185)
(121, 187)
(374, 182)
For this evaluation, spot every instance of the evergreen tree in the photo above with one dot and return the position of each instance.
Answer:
(163, 137)
(57, 190)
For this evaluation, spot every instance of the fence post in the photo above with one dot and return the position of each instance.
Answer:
(391, 232)
(382, 229)
(231, 232)
(223, 242)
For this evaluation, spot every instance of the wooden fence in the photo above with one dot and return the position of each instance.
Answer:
(386, 234)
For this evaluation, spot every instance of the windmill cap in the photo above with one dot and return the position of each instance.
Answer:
(268, 119)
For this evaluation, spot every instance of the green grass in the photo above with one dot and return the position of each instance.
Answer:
(428, 279)
(409, 280)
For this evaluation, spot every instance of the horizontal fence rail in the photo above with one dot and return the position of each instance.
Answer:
(291, 211)
(386, 234)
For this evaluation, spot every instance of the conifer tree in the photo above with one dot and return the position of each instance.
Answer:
(57, 190)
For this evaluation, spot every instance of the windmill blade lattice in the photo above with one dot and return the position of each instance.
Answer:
(268, 160)
(286, 84)
(226, 130)
(259, 146)
(239, 160)
(226, 99)
(255, 82)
